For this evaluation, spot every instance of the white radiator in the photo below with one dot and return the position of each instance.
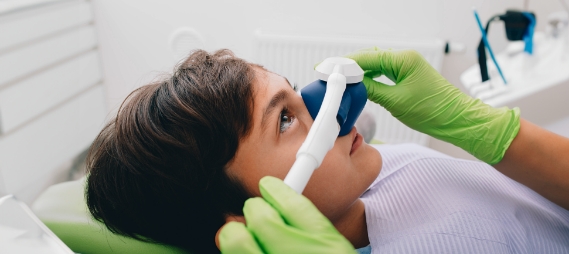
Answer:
(294, 57)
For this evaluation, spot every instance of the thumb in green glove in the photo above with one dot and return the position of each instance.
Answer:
(282, 222)
(425, 101)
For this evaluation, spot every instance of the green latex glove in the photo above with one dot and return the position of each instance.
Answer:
(282, 222)
(425, 101)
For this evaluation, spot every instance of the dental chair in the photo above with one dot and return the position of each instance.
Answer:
(63, 209)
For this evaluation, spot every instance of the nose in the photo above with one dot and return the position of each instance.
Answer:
(351, 106)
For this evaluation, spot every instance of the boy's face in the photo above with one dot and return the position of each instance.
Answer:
(280, 124)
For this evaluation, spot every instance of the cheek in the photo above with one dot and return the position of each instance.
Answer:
(267, 160)
(333, 186)
(341, 179)
(277, 163)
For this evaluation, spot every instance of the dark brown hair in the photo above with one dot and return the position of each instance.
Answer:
(157, 172)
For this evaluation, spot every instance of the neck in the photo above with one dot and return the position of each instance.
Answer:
(353, 225)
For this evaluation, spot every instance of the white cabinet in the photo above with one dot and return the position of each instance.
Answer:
(52, 102)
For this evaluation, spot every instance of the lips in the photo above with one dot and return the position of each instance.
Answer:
(357, 140)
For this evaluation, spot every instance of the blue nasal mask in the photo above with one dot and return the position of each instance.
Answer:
(351, 106)
(334, 101)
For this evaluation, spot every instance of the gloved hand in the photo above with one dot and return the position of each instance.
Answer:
(425, 101)
(282, 222)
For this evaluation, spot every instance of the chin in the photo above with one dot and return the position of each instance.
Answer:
(370, 160)
(366, 151)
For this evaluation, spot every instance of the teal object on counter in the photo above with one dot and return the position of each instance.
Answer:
(487, 44)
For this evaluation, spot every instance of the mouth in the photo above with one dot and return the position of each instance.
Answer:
(357, 140)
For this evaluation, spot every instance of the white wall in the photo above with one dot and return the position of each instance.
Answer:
(133, 34)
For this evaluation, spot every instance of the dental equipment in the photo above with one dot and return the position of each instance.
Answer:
(485, 40)
(519, 26)
(21, 231)
(334, 101)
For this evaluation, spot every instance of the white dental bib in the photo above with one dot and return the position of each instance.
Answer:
(427, 202)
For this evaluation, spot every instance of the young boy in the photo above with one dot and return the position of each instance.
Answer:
(183, 155)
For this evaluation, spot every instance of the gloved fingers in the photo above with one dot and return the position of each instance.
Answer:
(235, 238)
(356, 54)
(368, 59)
(373, 74)
(371, 83)
(266, 224)
(394, 64)
(259, 214)
(359, 50)
(378, 92)
(295, 209)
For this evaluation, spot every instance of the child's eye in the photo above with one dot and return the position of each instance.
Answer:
(286, 120)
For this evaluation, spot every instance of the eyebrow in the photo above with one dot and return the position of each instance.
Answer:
(275, 101)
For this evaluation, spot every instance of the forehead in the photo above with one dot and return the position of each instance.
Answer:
(267, 81)
(265, 86)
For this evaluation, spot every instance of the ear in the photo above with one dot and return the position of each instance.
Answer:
(228, 218)
(238, 218)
